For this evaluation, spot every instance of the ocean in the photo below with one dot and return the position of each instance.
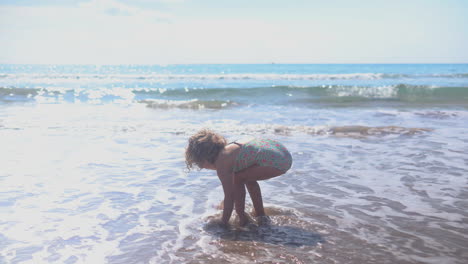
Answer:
(92, 163)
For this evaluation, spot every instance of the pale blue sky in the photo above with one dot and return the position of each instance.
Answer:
(241, 31)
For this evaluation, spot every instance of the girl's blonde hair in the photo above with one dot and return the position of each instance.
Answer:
(205, 145)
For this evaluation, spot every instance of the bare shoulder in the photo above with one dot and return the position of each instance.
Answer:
(245, 140)
(226, 159)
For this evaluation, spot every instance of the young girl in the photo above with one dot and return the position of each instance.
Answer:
(238, 164)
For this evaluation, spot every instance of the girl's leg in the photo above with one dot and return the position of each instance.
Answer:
(250, 176)
(257, 173)
(256, 196)
(240, 203)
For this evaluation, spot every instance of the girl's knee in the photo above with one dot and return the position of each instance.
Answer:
(251, 183)
(238, 179)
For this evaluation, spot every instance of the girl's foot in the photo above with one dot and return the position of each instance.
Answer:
(263, 220)
(243, 220)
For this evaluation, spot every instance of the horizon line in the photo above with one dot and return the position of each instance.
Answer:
(240, 63)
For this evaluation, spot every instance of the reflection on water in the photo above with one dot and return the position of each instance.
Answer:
(266, 233)
(282, 237)
(104, 186)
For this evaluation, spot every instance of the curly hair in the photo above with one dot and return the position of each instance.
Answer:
(205, 145)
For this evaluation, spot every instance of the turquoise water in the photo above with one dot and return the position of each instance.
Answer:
(93, 170)
(247, 84)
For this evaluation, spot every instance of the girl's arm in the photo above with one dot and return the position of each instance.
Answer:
(226, 180)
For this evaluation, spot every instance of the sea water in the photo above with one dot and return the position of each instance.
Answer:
(92, 163)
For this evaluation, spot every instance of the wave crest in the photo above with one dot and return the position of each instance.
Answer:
(352, 131)
(188, 104)
(348, 131)
(222, 97)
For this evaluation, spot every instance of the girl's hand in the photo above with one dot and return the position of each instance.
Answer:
(220, 206)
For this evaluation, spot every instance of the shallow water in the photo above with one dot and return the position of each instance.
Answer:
(89, 182)
(112, 189)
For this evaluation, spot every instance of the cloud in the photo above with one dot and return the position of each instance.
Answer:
(121, 32)
(103, 31)
(115, 8)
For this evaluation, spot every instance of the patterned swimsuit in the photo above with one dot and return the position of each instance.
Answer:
(263, 152)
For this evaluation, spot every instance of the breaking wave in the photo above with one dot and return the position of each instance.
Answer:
(188, 104)
(222, 97)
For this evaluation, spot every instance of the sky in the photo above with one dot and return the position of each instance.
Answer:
(240, 31)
